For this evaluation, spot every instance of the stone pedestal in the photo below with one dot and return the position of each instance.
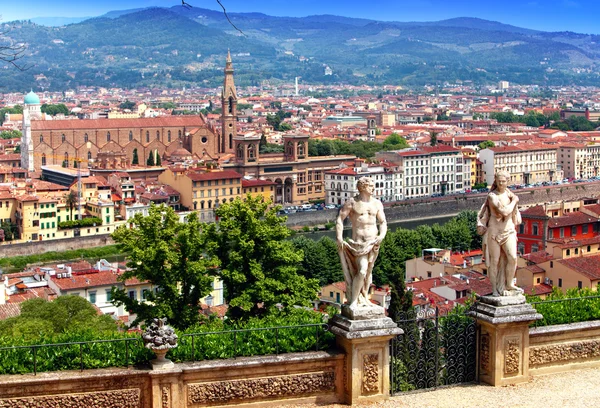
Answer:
(161, 362)
(504, 338)
(364, 334)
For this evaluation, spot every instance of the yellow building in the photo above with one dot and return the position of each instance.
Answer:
(264, 188)
(203, 191)
(48, 218)
(472, 154)
(27, 217)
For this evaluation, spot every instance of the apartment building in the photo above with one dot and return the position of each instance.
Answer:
(203, 191)
(527, 164)
(579, 161)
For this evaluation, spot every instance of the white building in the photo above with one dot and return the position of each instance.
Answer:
(527, 164)
(580, 161)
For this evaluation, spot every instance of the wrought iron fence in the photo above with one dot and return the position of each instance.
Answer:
(124, 352)
(435, 350)
(251, 342)
(70, 356)
(569, 310)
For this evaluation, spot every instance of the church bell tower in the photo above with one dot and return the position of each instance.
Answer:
(229, 110)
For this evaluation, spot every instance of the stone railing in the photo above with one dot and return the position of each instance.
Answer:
(564, 347)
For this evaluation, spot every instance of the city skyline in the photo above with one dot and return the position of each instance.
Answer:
(551, 15)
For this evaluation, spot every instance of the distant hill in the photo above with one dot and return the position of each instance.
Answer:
(181, 47)
(57, 21)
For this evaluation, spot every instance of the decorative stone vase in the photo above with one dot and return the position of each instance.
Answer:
(160, 338)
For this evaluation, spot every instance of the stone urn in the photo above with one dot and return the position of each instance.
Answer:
(160, 338)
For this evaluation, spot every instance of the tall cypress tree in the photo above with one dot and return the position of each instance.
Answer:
(135, 160)
(150, 161)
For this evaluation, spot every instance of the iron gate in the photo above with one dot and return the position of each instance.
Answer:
(433, 351)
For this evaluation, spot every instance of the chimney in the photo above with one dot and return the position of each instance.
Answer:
(3, 285)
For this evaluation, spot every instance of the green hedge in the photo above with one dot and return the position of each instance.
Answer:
(210, 346)
(20, 262)
(85, 222)
(576, 305)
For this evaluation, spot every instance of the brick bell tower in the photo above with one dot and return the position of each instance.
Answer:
(229, 110)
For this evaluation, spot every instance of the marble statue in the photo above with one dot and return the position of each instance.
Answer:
(496, 222)
(359, 253)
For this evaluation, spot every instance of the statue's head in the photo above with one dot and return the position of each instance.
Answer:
(364, 182)
(502, 173)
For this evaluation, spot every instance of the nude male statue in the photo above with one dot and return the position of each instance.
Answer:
(359, 253)
(496, 222)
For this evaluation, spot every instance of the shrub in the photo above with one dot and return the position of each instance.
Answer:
(85, 222)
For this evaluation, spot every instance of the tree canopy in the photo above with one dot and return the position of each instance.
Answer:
(54, 110)
(70, 313)
(395, 142)
(10, 134)
(258, 266)
(172, 256)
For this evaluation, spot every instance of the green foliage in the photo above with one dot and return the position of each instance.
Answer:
(10, 230)
(172, 256)
(395, 142)
(10, 134)
(168, 105)
(575, 123)
(150, 161)
(127, 105)
(158, 160)
(20, 262)
(486, 144)
(271, 148)
(400, 245)
(478, 186)
(258, 340)
(244, 106)
(277, 120)
(54, 110)
(258, 265)
(17, 109)
(321, 260)
(135, 159)
(576, 305)
(85, 222)
(264, 340)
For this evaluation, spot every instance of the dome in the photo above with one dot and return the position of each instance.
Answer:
(32, 99)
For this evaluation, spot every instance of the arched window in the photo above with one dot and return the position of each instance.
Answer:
(240, 151)
(345, 186)
(108, 136)
(231, 141)
(66, 160)
(157, 135)
(86, 138)
(89, 155)
(202, 205)
(209, 204)
(147, 136)
(195, 205)
(251, 152)
(179, 134)
(43, 159)
(169, 136)
(63, 137)
(130, 135)
(301, 149)
(41, 138)
(230, 108)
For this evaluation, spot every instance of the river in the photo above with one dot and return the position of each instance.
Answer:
(392, 226)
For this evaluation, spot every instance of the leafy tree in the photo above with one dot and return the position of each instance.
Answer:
(17, 109)
(478, 186)
(135, 159)
(486, 144)
(259, 267)
(54, 110)
(18, 149)
(71, 200)
(9, 229)
(69, 313)
(10, 134)
(127, 105)
(168, 105)
(433, 138)
(321, 260)
(172, 256)
(284, 127)
(395, 142)
(401, 299)
(150, 161)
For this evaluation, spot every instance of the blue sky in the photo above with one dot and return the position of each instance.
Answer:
(549, 15)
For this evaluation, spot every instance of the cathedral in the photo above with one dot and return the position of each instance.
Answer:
(72, 141)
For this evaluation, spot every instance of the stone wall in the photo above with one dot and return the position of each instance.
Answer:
(30, 248)
(451, 205)
(267, 380)
(564, 347)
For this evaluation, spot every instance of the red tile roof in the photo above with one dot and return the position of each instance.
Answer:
(575, 218)
(256, 183)
(536, 210)
(538, 257)
(159, 122)
(214, 175)
(9, 310)
(588, 266)
(90, 280)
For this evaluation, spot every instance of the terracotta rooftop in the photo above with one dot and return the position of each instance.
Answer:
(92, 124)
(9, 310)
(589, 266)
(575, 218)
(214, 175)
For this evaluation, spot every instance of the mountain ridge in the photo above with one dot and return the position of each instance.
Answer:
(177, 46)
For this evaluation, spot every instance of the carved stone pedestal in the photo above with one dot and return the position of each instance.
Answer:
(367, 362)
(504, 338)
